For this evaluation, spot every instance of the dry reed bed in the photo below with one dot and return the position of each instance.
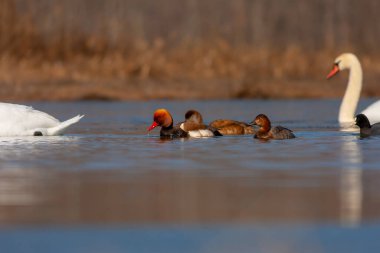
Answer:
(209, 70)
(142, 49)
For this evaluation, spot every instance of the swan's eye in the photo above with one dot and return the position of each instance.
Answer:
(337, 63)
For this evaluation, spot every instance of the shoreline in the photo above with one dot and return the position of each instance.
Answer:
(117, 90)
(222, 73)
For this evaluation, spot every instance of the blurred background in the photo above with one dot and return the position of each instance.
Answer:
(108, 186)
(142, 49)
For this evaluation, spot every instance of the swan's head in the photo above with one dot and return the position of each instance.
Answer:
(161, 117)
(342, 62)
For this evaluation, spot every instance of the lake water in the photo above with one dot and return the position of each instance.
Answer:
(108, 186)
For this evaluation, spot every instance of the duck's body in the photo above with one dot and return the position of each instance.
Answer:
(20, 120)
(172, 132)
(195, 127)
(232, 127)
(267, 132)
(277, 133)
(351, 97)
(366, 129)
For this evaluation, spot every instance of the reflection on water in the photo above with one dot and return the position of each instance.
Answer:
(179, 197)
(351, 183)
(15, 149)
(20, 187)
(108, 171)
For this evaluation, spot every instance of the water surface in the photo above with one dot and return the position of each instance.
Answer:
(108, 186)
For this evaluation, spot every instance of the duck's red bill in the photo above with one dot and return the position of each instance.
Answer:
(154, 125)
(333, 72)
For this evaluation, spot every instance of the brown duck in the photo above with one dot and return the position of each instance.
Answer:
(195, 127)
(232, 127)
(267, 132)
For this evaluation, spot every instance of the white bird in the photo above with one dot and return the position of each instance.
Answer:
(21, 120)
(351, 97)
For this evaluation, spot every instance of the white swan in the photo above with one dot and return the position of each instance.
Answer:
(351, 97)
(21, 120)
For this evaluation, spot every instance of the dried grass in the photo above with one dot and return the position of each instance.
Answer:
(66, 62)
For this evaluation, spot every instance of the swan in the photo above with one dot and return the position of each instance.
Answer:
(21, 120)
(351, 97)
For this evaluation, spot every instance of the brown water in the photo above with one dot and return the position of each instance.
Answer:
(107, 186)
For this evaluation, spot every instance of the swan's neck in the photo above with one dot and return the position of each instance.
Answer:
(351, 97)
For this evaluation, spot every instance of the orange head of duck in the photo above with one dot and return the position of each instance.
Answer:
(161, 117)
(262, 121)
(194, 116)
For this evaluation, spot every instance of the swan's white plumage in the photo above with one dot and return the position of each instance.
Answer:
(351, 97)
(21, 120)
(373, 112)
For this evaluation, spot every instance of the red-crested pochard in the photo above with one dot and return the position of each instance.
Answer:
(267, 132)
(164, 119)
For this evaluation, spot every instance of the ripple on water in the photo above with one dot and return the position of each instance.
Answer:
(107, 169)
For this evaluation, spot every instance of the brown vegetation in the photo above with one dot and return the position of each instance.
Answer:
(61, 50)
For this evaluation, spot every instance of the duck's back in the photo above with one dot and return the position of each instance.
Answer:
(173, 132)
(232, 127)
(280, 133)
(190, 126)
(198, 130)
(20, 120)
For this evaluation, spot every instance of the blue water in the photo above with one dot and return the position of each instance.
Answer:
(172, 239)
(114, 136)
(108, 186)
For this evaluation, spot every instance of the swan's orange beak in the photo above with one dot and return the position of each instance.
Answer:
(154, 125)
(333, 72)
